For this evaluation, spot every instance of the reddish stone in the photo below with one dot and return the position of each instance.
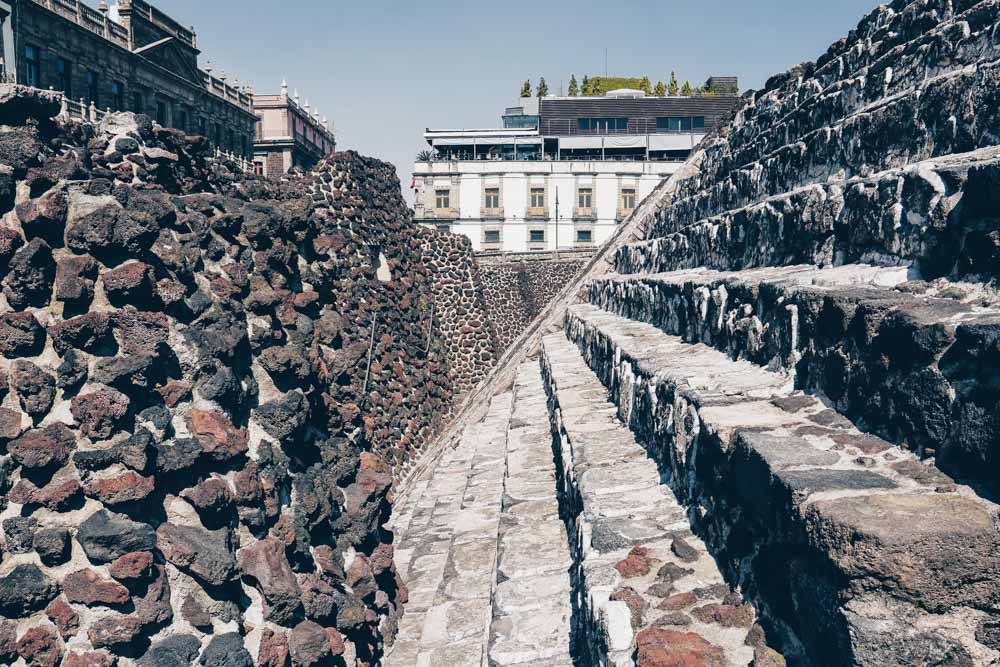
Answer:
(211, 495)
(679, 601)
(98, 412)
(87, 587)
(247, 486)
(635, 602)
(638, 563)
(381, 559)
(64, 617)
(273, 650)
(127, 487)
(8, 634)
(217, 435)
(265, 561)
(328, 562)
(728, 616)
(129, 280)
(360, 577)
(657, 647)
(154, 608)
(42, 447)
(40, 647)
(10, 423)
(59, 493)
(75, 276)
(175, 392)
(86, 332)
(132, 566)
(114, 630)
(305, 299)
(309, 645)
(336, 640)
(89, 659)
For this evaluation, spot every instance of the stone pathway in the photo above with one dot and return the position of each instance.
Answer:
(481, 547)
(647, 585)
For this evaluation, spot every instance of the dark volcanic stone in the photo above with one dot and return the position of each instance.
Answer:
(30, 274)
(99, 412)
(172, 651)
(25, 590)
(309, 645)
(20, 335)
(105, 536)
(35, 388)
(42, 447)
(226, 650)
(206, 554)
(20, 533)
(52, 545)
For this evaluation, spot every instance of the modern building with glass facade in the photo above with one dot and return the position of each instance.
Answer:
(561, 172)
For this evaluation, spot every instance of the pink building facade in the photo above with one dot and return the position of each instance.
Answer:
(289, 134)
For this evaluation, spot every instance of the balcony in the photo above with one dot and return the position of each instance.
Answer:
(587, 213)
(536, 213)
(491, 213)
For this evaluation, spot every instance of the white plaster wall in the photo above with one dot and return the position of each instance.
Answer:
(560, 180)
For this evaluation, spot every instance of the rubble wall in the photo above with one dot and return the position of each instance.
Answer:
(460, 319)
(516, 292)
(209, 384)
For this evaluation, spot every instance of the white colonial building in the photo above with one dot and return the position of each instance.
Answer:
(562, 172)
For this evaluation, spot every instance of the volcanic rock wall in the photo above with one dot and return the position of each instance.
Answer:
(461, 321)
(207, 382)
(516, 292)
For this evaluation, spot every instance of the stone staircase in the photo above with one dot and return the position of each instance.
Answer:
(772, 432)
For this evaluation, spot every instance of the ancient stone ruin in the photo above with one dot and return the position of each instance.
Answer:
(771, 430)
(208, 384)
(267, 423)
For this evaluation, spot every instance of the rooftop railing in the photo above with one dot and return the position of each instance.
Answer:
(89, 18)
(159, 19)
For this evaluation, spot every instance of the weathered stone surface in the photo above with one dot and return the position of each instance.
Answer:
(40, 647)
(20, 335)
(226, 650)
(309, 645)
(657, 647)
(25, 590)
(65, 618)
(106, 536)
(266, 563)
(203, 553)
(87, 587)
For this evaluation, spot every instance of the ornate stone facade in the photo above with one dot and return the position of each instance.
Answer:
(127, 57)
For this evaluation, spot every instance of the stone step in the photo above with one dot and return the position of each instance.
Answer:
(839, 220)
(647, 590)
(531, 604)
(482, 550)
(848, 552)
(911, 368)
(868, 108)
(446, 550)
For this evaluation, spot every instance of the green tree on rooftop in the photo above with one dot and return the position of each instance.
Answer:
(574, 89)
(646, 86)
(660, 89)
(686, 89)
(526, 89)
(543, 88)
(672, 87)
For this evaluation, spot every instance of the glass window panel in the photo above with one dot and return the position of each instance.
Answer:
(699, 122)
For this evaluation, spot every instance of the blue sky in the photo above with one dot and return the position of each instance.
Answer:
(384, 71)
